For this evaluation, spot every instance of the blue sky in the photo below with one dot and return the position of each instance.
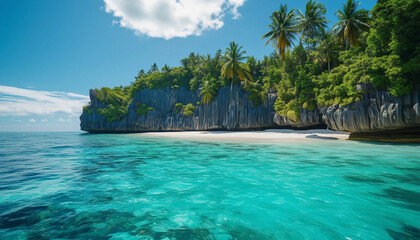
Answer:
(60, 47)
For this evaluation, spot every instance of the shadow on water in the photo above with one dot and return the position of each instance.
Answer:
(405, 198)
(315, 136)
(407, 232)
(409, 178)
(335, 162)
(364, 179)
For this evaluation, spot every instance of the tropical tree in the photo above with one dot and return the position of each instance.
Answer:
(141, 74)
(166, 68)
(233, 66)
(312, 21)
(154, 68)
(207, 91)
(351, 23)
(283, 30)
(327, 48)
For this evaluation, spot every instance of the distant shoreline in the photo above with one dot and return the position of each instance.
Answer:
(270, 135)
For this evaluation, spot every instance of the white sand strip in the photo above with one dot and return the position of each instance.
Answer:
(271, 135)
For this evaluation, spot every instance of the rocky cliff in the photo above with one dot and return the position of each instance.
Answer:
(377, 111)
(232, 110)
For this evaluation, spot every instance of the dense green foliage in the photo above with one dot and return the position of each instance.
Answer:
(178, 108)
(143, 109)
(189, 110)
(116, 103)
(323, 68)
(394, 45)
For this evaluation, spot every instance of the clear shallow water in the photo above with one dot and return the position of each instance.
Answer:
(80, 186)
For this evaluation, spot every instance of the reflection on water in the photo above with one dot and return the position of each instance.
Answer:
(80, 186)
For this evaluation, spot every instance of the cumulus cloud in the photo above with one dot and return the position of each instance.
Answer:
(172, 18)
(23, 102)
(64, 120)
(32, 120)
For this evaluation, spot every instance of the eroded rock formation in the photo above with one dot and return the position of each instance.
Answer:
(232, 110)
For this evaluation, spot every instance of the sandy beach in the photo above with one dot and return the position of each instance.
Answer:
(271, 135)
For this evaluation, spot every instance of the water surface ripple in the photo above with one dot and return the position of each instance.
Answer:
(81, 186)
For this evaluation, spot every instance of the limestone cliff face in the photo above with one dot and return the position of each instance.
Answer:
(232, 110)
(307, 119)
(377, 111)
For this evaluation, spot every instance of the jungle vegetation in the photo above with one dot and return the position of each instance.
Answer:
(311, 65)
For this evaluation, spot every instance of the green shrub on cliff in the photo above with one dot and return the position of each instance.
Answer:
(143, 109)
(113, 113)
(178, 107)
(88, 109)
(189, 110)
(116, 103)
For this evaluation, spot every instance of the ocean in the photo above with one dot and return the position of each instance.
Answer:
(91, 186)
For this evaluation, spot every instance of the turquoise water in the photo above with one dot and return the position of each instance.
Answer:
(81, 186)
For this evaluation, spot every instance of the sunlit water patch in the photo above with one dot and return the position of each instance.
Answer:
(81, 186)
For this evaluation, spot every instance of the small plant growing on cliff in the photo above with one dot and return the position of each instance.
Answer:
(143, 109)
(189, 110)
(88, 109)
(178, 108)
(112, 113)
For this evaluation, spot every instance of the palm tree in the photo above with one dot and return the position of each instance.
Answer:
(327, 48)
(313, 21)
(207, 90)
(154, 68)
(166, 68)
(351, 23)
(283, 30)
(234, 67)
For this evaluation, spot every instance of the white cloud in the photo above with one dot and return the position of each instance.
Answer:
(23, 102)
(64, 120)
(172, 18)
(32, 120)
